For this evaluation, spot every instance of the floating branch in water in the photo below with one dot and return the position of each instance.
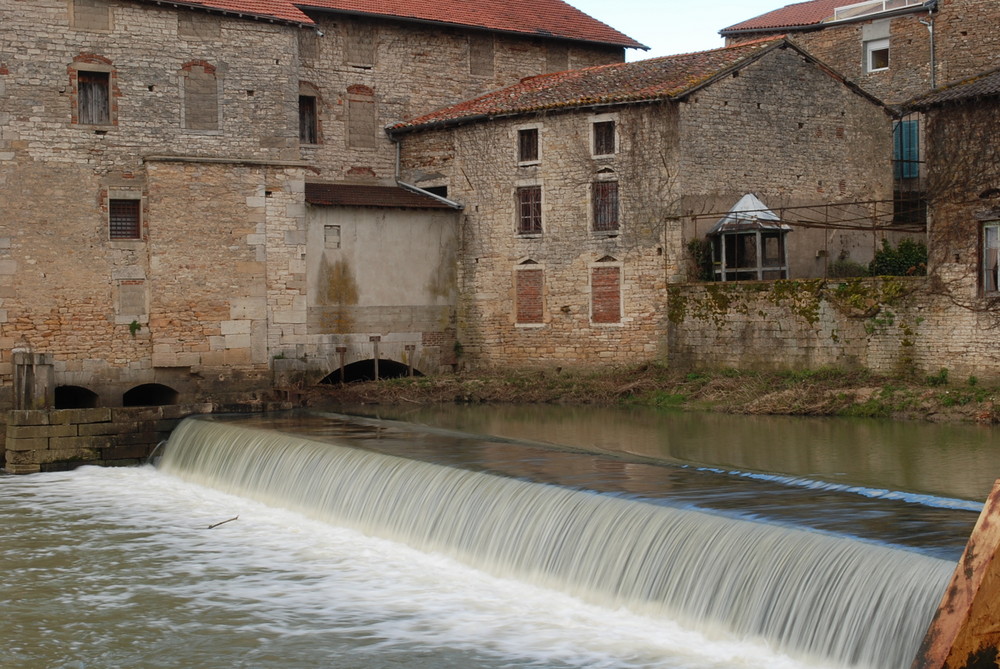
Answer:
(223, 522)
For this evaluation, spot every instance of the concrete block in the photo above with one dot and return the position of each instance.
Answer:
(97, 415)
(28, 417)
(15, 432)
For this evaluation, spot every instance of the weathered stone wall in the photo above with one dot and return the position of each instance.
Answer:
(45, 441)
(890, 325)
(410, 70)
(793, 136)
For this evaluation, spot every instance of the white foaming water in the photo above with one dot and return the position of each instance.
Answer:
(811, 594)
(116, 567)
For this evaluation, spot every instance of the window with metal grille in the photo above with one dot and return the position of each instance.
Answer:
(605, 200)
(604, 138)
(527, 145)
(308, 125)
(93, 97)
(529, 210)
(124, 219)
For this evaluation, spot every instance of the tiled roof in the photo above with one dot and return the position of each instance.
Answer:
(791, 16)
(986, 84)
(651, 79)
(347, 195)
(540, 18)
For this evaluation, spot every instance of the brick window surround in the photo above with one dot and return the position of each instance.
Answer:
(529, 210)
(529, 287)
(605, 294)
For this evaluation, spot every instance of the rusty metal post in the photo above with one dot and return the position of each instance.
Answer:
(410, 348)
(965, 632)
(342, 351)
(375, 339)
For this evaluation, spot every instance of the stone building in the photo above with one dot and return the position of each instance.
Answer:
(895, 49)
(581, 190)
(173, 175)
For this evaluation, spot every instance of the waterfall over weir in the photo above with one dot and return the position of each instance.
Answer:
(808, 593)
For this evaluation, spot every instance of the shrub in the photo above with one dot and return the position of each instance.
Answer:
(907, 259)
(844, 269)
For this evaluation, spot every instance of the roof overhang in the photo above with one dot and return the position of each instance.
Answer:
(382, 197)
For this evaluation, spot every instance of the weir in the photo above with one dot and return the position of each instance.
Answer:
(811, 594)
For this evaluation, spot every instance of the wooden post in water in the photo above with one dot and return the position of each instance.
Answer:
(965, 632)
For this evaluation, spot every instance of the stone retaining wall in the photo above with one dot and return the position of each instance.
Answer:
(62, 439)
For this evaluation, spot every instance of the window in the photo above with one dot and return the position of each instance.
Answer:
(877, 55)
(527, 145)
(749, 255)
(125, 219)
(361, 123)
(93, 97)
(360, 46)
(529, 210)
(529, 304)
(556, 58)
(605, 292)
(604, 197)
(331, 236)
(201, 96)
(94, 15)
(481, 55)
(198, 26)
(906, 149)
(604, 138)
(308, 120)
(991, 257)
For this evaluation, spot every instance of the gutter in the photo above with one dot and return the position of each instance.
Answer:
(929, 7)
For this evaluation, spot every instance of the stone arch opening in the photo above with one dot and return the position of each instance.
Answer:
(150, 394)
(76, 397)
(364, 370)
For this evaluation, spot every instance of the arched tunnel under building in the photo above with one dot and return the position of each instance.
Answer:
(364, 370)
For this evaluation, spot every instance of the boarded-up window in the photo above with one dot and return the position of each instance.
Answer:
(361, 124)
(481, 55)
(529, 302)
(131, 297)
(605, 201)
(360, 46)
(529, 210)
(201, 98)
(527, 145)
(331, 236)
(125, 219)
(604, 138)
(91, 15)
(308, 46)
(93, 97)
(196, 25)
(308, 120)
(605, 295)
(556, 58)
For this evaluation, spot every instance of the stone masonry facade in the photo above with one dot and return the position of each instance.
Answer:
(152, 173)
(567, 294)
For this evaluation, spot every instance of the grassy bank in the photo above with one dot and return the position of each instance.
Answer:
(822, 392)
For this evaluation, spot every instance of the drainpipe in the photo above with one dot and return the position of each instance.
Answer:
(929, 22)
(418, 189)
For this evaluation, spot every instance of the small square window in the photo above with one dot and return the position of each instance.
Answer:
(604, 138)
(877, 55)
(124, 219)
(527, 145)
(605, 200)
(529, 210)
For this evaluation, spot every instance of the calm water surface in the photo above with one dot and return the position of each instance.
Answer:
(116, 567)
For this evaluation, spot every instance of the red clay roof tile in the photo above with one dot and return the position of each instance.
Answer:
(791, 16)
(540, 18)
(651, 79)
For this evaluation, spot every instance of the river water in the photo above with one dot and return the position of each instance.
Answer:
(118, 567)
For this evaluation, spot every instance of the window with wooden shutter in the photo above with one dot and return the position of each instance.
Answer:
(308, 120)
(93, 97)
(527, 145)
